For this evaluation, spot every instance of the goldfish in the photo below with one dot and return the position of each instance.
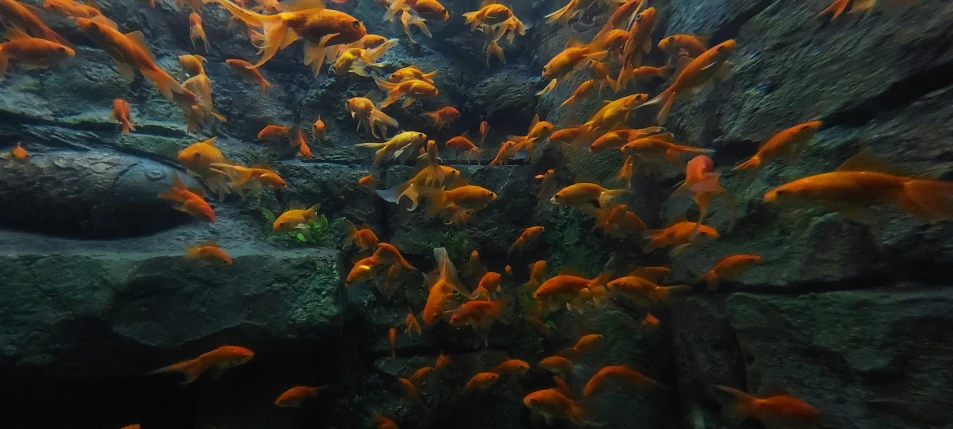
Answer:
(475, 269)
(392, 339)
(20, 15)
(412, 326)
(189, 201)
(512, 366)
(862, 181)
(537, 275)
(30, 51)
(684, 45)
(318, 130)
(617, 138)
(442, 362)
(320, 27)
(564, 14)
(75, 9)
(398, 145)
(571, 135)
(409, 389)
(411, 73)
(442, 285)
(469, 197)
(546, 184)
(599, 72)
(557, 365)
(221, 358)
(657, 274)
(507, 151)
(489, 14)
(295, 219)
(135, 426)
(389, 254)
(357, 60)
(622, 15)
(632, 377)
(19, 154)
(370, 182)
(645, 72)
(303, 150)
(573, 55)
(253, 178)
(296, 396)
(658, 149)
(581, 91)
(131, 52)
(702, 181)
(198, 159)
(774, 412)
(482, 381)
(384, 422)
(463, 144)
(361, 270)
(274, 133)
(838, 7)
(584, 344)
(616, 221)
(478, 313)
(696, 73)
(410, 90)
(248, 72)
(783, 144)
(642, 291)
(443, 117)
(196, 31)
(729, 268)
(583, 193)
(649, 324)
(555, 404)
(613, 113)
(363, 238)
(427, 9)
(567, 288)
(538, 130)
(489, 283)
(492, 35)
(680, 234)
(192, 65)
(208, 252)
(366, 113)
(420, 373)
(638, 43)
(121, 115)
(526, 238)
(484, 127)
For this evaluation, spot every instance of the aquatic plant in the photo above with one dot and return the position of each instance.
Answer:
(320, 233)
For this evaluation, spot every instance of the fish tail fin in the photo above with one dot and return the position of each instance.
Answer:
(752, 163)
(393, 9)
(263, 84)
(166, 84)
(470, 18)
(191, 369)
(665, 293)
(737, 406)
(351, 236)
(436, 199)
(607, 197)
(835, 9)
(394, 194)
(496, 310)
(710, 184)
(375, 54)
(127, 127)
(390, 88)
(562, 14)
(381, 120)
(276, 36)
(929, 200)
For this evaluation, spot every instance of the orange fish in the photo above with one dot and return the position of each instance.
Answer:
(196, 31)
(20, 15)
(411, 73)
(617, 138)
(632, 377)
(599, 72)
(783, 144)
(563, 286)
(555, 404)
(131, 52)
(483, 129)
(392, 339)
(208, 252)
(360, 271)
(778, 411)
(507, 151)
(412, 325)
(537, 275)
(274, 133)
(357, 60)
(584, 344)
(702, 180)
(441, 287)
(363, 238)
(30, 51)
(468, 197)
(684, 45)
(657, 150)
(304, 151)
(295, 219)
(512, 366)
(192, 65)
(384, 422)
(584, 193)
(410, 90)
(443, 117)
(479, 313)
(653, 274)
(617, 221)
(622, 15)
(420, 373)
(642, 291)
(572, 135)
(581, 91)
(370, 182)
(637, 45)
(320, 27)
(482, 381)
(19, 154)
(646, 72)
(121, 114)
(567, 61)
(862, 181)
(729, 268)
(75, 9)
(679, 234)
(489, 14)
(297, 395)
(489, 284)
(409, 389)
(189, 201)
(711, 64)
(475, 269)
(557, 365)
(366, 113)
(443, 361)
(649, 324)
(526, 238)
(463, 144)
(318, 130)
(387, 253)
(838, 7)
(538, 130)
(221, 358)
(248, 72)
(251, 177)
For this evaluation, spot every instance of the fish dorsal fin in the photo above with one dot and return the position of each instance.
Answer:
(486, 3)
(561, 386)
(676, 219)
(573, 43)
(210, 142)
(680, 64)
(535, 121)
(15, 33)
(866, 161)
(140, 40)
(570, 271)
(297, 5)
(704, 38)
(262, 165)
(177, 182)
(198, 191)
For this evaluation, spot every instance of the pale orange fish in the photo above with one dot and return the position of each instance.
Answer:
(121, 114)
(777, 411)
(196, 31)
(223, 357)
(208, 252)
(729, 268)
(248, 72)
(296, 396)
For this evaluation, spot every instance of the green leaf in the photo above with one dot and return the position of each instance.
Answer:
(301, 237)
(269, 216)
(550, 324)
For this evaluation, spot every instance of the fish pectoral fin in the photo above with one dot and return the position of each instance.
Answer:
(126, 71)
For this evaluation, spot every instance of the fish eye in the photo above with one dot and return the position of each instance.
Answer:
(671, 39)
(638, 17)
(355, 24)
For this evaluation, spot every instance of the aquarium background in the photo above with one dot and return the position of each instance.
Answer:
(96, 293)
